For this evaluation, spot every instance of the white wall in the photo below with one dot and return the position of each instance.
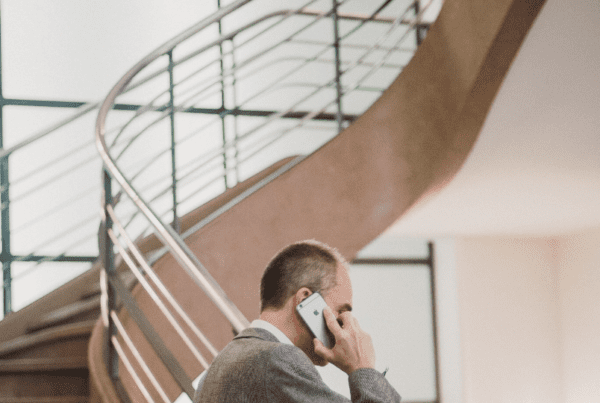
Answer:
(519, 318)
(448, 324)
(579, 259)
(509, 320)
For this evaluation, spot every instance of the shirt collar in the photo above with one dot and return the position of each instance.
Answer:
(263, 324)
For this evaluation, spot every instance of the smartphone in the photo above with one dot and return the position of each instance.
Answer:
(311, 312)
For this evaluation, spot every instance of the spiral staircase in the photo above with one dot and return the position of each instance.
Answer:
(189, 223)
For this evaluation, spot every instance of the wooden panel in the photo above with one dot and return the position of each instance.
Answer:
(44, 384)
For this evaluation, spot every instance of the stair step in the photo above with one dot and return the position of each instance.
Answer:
(49, 399)
(46, 336)
(67, 312)
(42, 364)
(128, 279)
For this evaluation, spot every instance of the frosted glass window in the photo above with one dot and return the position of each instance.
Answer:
(55, 184)
(32, 281)
(389, 246)
(393, 304)
(73, 49)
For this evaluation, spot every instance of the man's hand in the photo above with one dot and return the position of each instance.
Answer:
(353, 347)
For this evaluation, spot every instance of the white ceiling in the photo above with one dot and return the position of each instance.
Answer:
(535, 168)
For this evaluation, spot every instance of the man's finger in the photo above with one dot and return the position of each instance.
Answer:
(323, 351)
(348, 320)
(331, 320)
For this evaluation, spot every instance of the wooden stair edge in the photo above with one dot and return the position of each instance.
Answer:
(86, 285)
(66, 312)
(101, 386)
(16, 323)
(45, 399)
(47, 335)
(42, 364)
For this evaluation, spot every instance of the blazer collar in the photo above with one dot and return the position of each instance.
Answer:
(257, 333)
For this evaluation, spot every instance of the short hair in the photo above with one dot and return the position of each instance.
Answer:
(310, 264)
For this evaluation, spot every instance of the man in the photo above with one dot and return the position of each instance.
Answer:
(274, 360)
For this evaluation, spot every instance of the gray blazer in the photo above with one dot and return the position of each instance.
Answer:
(255, 367)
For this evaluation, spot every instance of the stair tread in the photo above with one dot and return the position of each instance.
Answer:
(68, 311)
(42, 364)
(44, 399)
(54, 333)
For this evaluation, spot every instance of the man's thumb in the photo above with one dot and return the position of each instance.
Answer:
(322, 351)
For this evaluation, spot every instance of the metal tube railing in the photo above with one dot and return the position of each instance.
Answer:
(165, 292)
(213, 165)
(131, 370)
(138, 357)
(180, 251)
(156, 299)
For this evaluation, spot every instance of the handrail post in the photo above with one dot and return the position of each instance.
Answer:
(223, 114)
(176, 223)
(338, 73)
(106, 254)
(5, 256)
(419, 28)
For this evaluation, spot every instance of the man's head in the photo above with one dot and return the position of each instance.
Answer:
(295, 273)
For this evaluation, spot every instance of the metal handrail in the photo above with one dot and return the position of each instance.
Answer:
(179, 249)
(172, 241)
(138, 357)
(148, 270)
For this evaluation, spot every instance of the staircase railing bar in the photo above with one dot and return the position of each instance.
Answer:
(189, 262)
(338, 73)
(138, 357)
(380, 63)
(197, 172)
(233, 202)
(45, 214)
(156, 299)
(286, 14)
(160, 285)
(136, 379)
(289, 72)
(57, 258)
(217, 152)
(56, 237)
(217, 78)
(148, 331)
(84, 110)
(59, 158)
(219, 40)
(214, 82)
(43, 259)
(212, 152)
(125, 83)
(60, 175)
(182, 253)
(376, 66)
(277, 115)
(227, 206)
(349, 45)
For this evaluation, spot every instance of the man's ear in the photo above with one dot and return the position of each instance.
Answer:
(301, 295)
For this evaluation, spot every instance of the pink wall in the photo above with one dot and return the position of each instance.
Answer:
(528, 317)
(579, 259)
(509, 317)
